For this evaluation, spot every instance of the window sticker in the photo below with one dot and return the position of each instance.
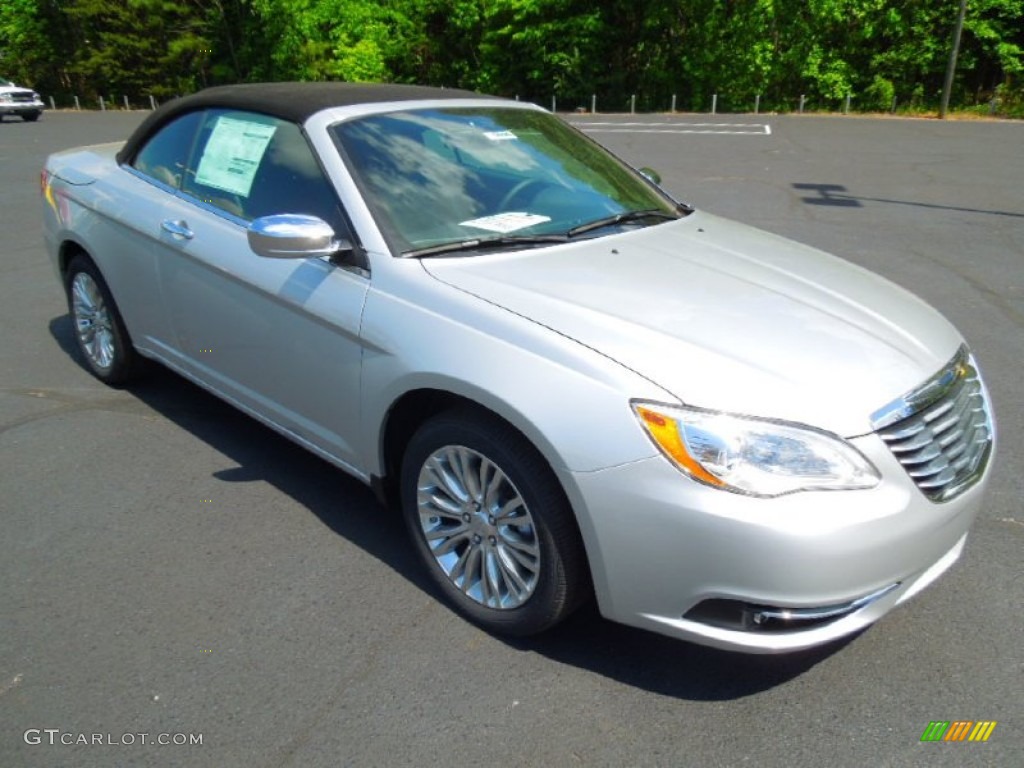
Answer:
(233, 154)
(506, 222)
(500, 135)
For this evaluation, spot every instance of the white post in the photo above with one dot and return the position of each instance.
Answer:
(126, 107)
(77, 105)
(152, 102)
(553, 103)
(103, 107)
(53, 104)
(593, 103)
(846, 108)
(757, 103)
(673, 102)
(951, 69)
(714, 103)
(802, 100)
(632, 104)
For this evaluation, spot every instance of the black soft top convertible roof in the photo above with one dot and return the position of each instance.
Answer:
(294, 102)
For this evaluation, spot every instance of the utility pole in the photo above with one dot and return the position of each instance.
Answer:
(951, 69)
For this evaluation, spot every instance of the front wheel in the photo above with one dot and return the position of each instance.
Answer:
(30, 117)
(491, 523)
(99, 329)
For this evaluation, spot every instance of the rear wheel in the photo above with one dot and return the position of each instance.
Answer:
(491, 523)
(99, 329)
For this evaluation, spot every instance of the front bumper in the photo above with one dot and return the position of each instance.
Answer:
(21, 107)
(763, 575)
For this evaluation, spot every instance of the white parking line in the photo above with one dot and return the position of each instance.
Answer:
(749, 129)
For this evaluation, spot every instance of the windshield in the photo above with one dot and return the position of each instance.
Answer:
(438, 176)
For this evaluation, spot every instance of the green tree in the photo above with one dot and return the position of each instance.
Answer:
(358, 40)
(33, 36)
(873, 50)
(138, 47)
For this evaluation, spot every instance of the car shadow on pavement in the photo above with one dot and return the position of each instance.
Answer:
(350, 509)
(343, 503)
(666, 666)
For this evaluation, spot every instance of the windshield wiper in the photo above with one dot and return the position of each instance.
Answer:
(479, 244)
(621, 218)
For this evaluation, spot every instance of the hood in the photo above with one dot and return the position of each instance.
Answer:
(726, 317)
(17, 90)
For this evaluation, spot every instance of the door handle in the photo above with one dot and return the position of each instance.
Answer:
(177, 228)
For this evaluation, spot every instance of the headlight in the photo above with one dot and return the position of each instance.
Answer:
(758, 457)
(6, 97)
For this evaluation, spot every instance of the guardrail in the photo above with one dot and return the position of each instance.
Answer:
(795, 104)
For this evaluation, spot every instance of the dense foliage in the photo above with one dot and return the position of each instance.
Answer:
(872, 50)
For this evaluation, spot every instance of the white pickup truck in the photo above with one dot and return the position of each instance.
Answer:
(15, 100)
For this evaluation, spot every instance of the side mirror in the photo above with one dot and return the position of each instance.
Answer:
(650, 174)
(294, 236)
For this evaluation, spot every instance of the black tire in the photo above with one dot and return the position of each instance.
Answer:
(30, 117)
(96, 322)
(523, 595)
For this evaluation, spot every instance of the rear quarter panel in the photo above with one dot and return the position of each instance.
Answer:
(114, 216)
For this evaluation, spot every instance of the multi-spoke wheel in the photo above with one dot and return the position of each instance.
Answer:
(99, 330)
(478, 528)
(491, 523)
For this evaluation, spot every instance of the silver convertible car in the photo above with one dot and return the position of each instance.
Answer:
(574, 386)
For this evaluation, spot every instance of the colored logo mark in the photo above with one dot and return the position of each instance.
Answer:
(958, 730)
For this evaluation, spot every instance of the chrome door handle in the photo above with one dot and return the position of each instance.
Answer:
(177, 228)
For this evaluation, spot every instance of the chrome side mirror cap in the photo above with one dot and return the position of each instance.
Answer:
(294, 236)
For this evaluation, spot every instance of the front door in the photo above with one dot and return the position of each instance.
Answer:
(279, 337)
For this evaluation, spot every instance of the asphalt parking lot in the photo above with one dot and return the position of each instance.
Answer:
(170, 567)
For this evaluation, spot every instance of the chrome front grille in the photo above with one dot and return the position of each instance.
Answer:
(942, 431)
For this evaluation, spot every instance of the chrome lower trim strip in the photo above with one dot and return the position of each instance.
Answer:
(763, 615)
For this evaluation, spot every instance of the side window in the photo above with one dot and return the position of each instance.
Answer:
(165, 156)
(252, 165)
